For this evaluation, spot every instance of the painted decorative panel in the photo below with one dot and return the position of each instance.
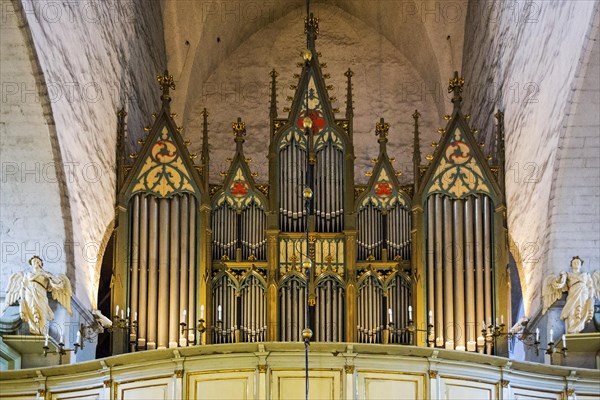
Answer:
(528, 394)
(382, 385)
(155, 389)
(290, 384)
(237, 385)
(458, 389)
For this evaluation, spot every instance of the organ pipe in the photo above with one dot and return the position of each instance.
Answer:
(459, 269)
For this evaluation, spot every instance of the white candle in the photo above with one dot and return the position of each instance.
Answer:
(496, 321)
(430, 317)
(47, 338)
(483, 326)
(409, 313)
(564, 340)
(128, 312)
(78, 339)
(61, 338)
(551, 336)
(202, 311)
(537, 334)
(219, 312)
(122, 314)
(135, 316)
(117, 310)
(184, 315)
(502, 319)
(390, 313)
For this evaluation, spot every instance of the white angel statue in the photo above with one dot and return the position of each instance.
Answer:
(582, 289)
(30, 290)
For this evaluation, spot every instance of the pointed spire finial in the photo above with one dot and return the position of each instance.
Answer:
(273, 110)
(311, 28)
(456, 87)
(349, 102)
(416, 151)
(239, 131)
(381, 129)
(165, 82)
(205, 160)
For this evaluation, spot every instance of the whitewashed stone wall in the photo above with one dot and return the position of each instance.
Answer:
(95, 57)
(575, 198)
(32, 221)
(523, 57)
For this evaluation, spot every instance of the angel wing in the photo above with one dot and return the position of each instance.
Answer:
(13, 290)
(60, 286)
(551, 291)
(596, 284)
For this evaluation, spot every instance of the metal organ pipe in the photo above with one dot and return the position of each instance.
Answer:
(459, 269)
(439, 270)
(469, 277)
(479, 293)
(135, 257)
(448, 274)
(487, 259)
(183, 259)
(152, 274)
(175, 244)
(192, 267)
(143, 287)
(163, 274)
(431, 303)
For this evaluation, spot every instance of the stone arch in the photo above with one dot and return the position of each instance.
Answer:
(37, 184)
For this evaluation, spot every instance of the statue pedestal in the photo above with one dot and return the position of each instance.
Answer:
(583, 351)
(30, 351)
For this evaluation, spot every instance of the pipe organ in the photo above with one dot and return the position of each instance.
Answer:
(383, 263)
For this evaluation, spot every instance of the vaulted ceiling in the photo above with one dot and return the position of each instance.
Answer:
(402, 54)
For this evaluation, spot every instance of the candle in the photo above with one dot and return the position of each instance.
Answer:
(202, 311)
(219, 312)
(61, 338)
(135, 316)
(496, 321)
(409, 313)
(128, 311)
(564, 340)
(483, 326)
(502, 319)
(537, 334)
(390, 312)
(551, 335)
(78, 340)
(122, 314)
(184, 315)
(430, 317)
(117, 310)
(47, 338)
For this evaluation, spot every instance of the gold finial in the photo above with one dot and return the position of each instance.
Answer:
(349, 73)
(311, 22)
(441, 131)
(429, 157)
(456, 84)
(382, 128)
(239, 128)
(204, 113)
(166, 81)
(193, 156)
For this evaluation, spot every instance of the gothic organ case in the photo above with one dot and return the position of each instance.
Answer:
(243, 262)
